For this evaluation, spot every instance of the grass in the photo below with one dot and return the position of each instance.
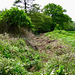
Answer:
(73, 32)
(68, 57)
(18, 58)
(67, 37)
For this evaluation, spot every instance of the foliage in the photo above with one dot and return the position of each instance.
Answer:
(51, 9)
(12, 67)
(71, 27)
(55, 54)
(34, 8)
(67, 37)
(73, 32)
(60, 71)
(13, 19)
(56, 12)
(16, 57)
(41, 22)
(26, 3)
(0, 11)
(62, 64)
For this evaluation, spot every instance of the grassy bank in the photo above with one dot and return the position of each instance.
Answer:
(55, 54)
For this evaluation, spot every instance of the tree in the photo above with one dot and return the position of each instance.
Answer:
(41, 22)
(25, 2)
(34, 8)
(59, 19)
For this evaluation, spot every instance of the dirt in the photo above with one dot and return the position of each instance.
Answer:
(45, 45)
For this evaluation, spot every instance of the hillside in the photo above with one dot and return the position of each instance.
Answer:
(43, 54)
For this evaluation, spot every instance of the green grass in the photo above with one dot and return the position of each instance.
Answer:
(67, 37)
(17, 58)
(73, 32)
(66, 60)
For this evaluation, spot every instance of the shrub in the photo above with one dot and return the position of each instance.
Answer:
(11, 20)
(41, 22)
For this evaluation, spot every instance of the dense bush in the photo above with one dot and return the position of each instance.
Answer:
(71, 27)
(11, 20)
(59, 19)
(41, 22)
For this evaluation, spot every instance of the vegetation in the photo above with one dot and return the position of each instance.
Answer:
(65, 62)
(16, 57)
(34, 8)
(71, 27)
(56, 12)
(41, 22)
(25, 2)
(46, 21)
(50, 52)
(13, 19)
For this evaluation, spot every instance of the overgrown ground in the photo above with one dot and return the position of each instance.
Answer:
(50, 53)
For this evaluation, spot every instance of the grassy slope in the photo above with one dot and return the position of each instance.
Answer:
(66, 59)
(68, 38)
(16, 58)
(55, 53)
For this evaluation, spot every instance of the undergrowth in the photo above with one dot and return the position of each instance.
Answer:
(18, 58)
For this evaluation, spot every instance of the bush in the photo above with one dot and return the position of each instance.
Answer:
(71, 27)
(11, 20)
(41, 22)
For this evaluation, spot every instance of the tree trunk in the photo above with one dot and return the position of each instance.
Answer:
(25, 6)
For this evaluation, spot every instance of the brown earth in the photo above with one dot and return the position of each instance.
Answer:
(45, 45)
